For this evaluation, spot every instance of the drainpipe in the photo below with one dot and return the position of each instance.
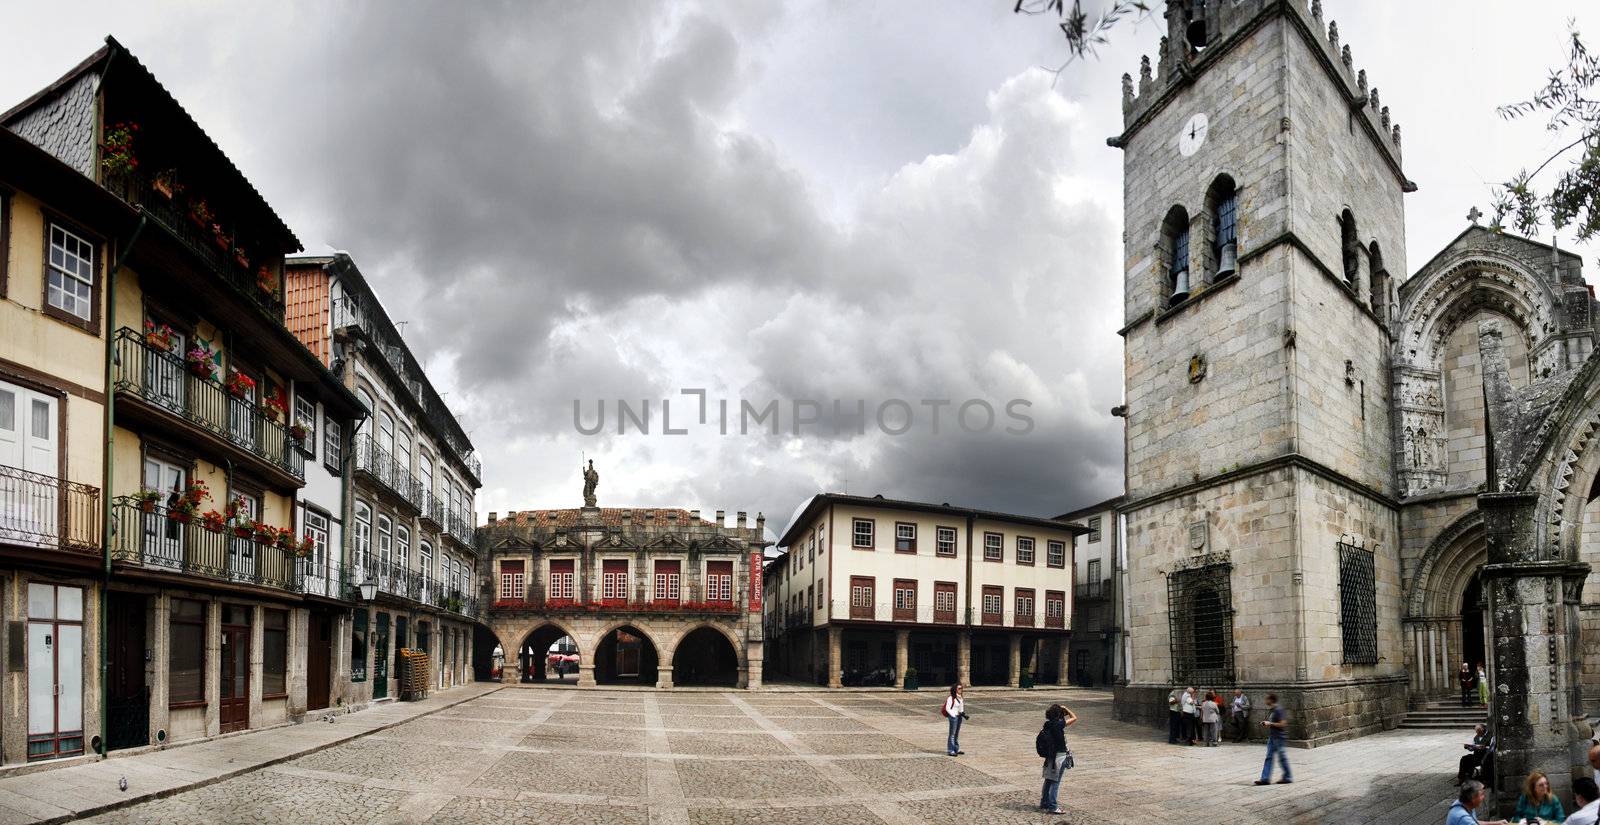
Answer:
(109, 415)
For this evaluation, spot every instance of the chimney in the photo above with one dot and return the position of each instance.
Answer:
(720, 514)
(694, 515)
(761, 525)
(740, 522)
(627, 519)
(491, 517)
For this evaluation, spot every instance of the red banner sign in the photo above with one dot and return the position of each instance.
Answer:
(755, 582)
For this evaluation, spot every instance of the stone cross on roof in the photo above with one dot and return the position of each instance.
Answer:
(1473, 215)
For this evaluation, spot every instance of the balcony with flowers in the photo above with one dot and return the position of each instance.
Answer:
(535, 604)
(163, 531)
(185, 395)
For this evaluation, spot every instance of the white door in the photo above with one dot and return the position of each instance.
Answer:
(165, 374)
(242, 552)
(30, 492)
(55, 670)
(163, 537)
(243, 420)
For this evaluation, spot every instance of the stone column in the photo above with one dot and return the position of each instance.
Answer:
(753, 673)
(1014, 660)
(902, 654)
(835, 638)
(663, 676)
(1063, 669)
(1532, 604)
(964, 657)
(511, 670)
(586, 673)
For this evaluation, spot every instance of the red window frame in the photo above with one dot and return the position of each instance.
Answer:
(719, 582)
(614, 581)
(993, 595)
(872, 533)
(1055, 608)
(1024, 606)
(998, 546)
(905, 599)
(513, 577)
(909, 543)
(941, 590)
(863, 597)
(562, 586)
(668, 581)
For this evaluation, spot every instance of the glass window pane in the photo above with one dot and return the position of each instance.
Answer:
(69, 601)
(41, 601)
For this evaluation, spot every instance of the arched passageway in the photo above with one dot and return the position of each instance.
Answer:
(705, 657)
(484, 644)
(1444, 623)
(626, 656)
(534, 658)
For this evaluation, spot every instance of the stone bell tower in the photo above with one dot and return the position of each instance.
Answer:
(1263, 200)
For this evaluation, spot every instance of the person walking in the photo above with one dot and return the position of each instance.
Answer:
(1211, 720)
(1537, 802)
(1174, 715)
(1240, 709)
(1468, 681)
(1277, 725)
(955, 709)
(1052, 745)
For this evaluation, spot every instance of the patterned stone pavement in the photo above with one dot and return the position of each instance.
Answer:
(689, 758)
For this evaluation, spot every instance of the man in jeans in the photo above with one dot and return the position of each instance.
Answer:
(1277, 725)
(1240, 708)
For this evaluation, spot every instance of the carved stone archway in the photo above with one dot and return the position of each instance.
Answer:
(1434, 634)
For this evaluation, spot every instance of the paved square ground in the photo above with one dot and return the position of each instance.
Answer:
(689, 758)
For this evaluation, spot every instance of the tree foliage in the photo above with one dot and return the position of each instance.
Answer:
(1084, 34)
(1569, 201)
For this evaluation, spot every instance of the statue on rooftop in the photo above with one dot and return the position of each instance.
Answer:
(591, 480)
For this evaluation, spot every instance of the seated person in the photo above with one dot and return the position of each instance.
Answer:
(1537, 802)
(1588, 796)
(1476, 751)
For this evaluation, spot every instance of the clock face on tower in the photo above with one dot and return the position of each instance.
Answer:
(1193, 134)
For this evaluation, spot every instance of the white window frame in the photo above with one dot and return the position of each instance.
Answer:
(1024, 545)
(66, 267)
(944, 601)
(308, 417)
(511, 585)
(940, 541)
(995, 550)
(1056, 553)
(856, 533)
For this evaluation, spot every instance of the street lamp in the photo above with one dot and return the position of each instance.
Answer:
(369, 589)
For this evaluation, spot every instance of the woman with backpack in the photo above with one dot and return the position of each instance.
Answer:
(955, 710)
(1051, 743)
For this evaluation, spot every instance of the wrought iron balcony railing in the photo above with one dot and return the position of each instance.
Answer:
(1094, 590)
(199, 234)
(163, 381)
(47, 513)
(154, 537)
(376, 461)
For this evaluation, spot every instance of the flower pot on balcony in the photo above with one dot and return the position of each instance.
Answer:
(179, 516)
(147, 505)
(242, 532)
(266, 540)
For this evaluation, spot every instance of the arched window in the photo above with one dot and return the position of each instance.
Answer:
(1350, 248)
(1379, 278)
(1174, 249)
(1222, 204)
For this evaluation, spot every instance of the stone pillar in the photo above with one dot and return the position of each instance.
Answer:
(663, 676)
(902, 654)
(511, 670)
(586, 673)
(1014, 660)
(1063, 665)
(964, 657)
(753, 673)
(835, 638)
(1532, 604)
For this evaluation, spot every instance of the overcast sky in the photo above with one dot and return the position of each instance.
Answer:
(813, 200)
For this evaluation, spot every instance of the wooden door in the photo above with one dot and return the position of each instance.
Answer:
(319, 660)
(127, 698)
(627, 654)
(235, 684)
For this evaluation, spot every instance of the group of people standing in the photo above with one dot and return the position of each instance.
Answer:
(1474, 685)
(1195, 718)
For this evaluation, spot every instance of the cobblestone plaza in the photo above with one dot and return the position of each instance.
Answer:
(589, 756)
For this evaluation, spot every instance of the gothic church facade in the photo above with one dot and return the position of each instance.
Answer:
(1317, 478)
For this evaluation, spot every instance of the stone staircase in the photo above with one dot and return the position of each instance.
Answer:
(1445, 715)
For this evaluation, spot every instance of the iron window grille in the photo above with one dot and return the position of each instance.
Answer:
(1358, 604)
(1200, 618)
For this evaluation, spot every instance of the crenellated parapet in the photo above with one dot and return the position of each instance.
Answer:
(1200, 32)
